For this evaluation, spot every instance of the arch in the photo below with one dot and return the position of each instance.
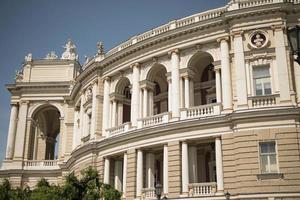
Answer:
(44, 132)
(36, 107)
(121, 85)
(204, 78)
(159, 93)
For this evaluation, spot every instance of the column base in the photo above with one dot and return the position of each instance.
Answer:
(184, 194)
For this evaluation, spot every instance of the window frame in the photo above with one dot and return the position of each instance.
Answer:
(268, 154)
(253, 80)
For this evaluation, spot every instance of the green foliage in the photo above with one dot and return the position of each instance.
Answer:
(88, 187)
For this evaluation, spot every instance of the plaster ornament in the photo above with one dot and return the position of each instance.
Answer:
(19, 76)
(100, 48)
(28, 58)
(70, 51)
(51, 56)
(258, 39)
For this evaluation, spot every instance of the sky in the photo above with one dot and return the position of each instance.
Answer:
(41, 26)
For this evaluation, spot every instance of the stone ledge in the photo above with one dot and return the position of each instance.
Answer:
(270, 176)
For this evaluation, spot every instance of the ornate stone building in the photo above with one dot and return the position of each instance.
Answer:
(202, 105)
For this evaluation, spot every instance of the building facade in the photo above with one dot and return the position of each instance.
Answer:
(202, 105)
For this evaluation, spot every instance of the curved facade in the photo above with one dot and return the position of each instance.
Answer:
(202, 105)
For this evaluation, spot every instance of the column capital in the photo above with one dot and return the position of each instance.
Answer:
(176, 51)
(147, 84)
(278, 27)
(14, 103)
(224, 38)
(187, 73)
(237, 33)
(106, 78)
(137, 65)
(94, 82)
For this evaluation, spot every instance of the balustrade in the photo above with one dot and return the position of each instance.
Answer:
(148, 193)
(41, 164)
(202, 189)
(264, 101)
(201, 111)
(154, 120)
(119, 129)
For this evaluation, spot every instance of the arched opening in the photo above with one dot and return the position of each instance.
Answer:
(156, 88)
(203, 79)
(44, 134)
(123, 101)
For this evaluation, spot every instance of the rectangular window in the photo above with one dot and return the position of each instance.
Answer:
(262, 80)
(268, 159)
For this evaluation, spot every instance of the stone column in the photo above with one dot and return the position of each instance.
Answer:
(75, 129)
(135, 98)
(62, 139)
(192, 93)
(145, 103)
(282, 65)
(248, 77)
(175, 83)
(239, 58)
(187, 91)
(218, 85)
(219, 164)
(114, 113)
(118, 175)
(165, 170)
(106, 105)
(181, 92)
(185, 168)
(81, 130)
(193, 173)
(141, 110)
(150, 166)
(21, 130)
(150, 102)
(94, 109)
(11, 132)
(139, 173)
(297, 80)
(169, 94)
(226, 74)
(106, 170)
(120, 114)
(124, 174)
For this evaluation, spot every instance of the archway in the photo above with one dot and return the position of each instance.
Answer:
(204, 79)
(44, 134)
(157, 88)
(123, 100)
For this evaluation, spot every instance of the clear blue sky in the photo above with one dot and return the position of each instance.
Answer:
(40, 26)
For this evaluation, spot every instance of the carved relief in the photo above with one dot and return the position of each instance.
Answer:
(258, 39)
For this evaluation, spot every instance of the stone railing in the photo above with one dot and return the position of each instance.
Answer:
(202, 189)
(148, 193)
(118, 129)
(41, 164)
(168, 27)
(154, 120)
(254, 3)
(263, 101)
(201, 111)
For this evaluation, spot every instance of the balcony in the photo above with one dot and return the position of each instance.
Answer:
(148, 193)
(263, 101)
(201, 111)
(41, 164)
(119, 129)
(202, 189)
(154, 120)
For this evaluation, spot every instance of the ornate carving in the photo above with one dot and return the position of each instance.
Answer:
(258, 39)
(28, 58)
(70, 51)
(19, 76)
(51, 56)
(100, 48)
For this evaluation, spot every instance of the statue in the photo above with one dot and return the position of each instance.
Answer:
(19, 76)
(28, 58)
(51, 56)
(100, 48)
(70, 51)
(258, 41)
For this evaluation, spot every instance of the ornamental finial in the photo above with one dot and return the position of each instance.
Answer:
(70, 51)
(100, 48)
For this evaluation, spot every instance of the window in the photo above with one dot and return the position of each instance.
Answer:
(262, 80)
(268, 160)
